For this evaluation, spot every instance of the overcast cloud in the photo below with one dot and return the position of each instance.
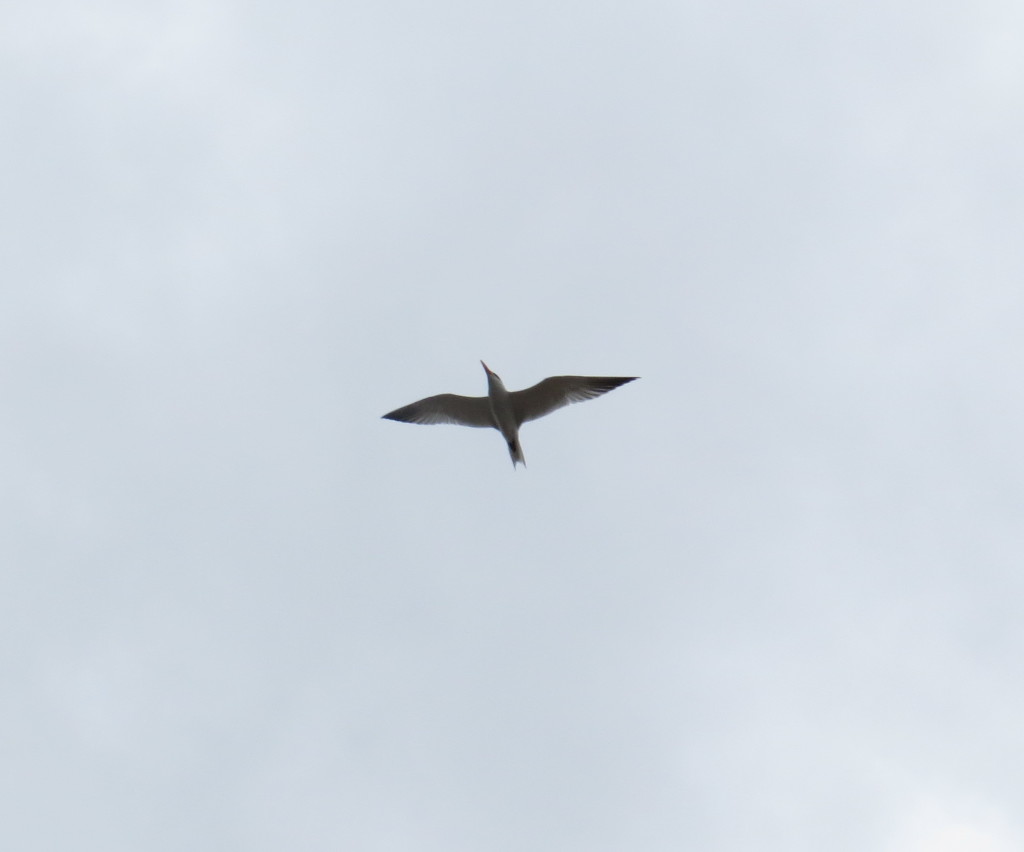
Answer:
(769, 597)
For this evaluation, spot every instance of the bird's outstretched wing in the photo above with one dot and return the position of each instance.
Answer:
(446, 408)
(551, 394)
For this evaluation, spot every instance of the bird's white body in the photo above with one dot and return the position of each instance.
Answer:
(506, 410)
(504, 415)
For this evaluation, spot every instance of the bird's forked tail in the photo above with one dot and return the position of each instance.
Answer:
(516, 452)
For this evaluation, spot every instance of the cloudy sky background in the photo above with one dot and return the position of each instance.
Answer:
(768, 597)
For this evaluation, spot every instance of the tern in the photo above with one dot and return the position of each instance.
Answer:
(507, 410)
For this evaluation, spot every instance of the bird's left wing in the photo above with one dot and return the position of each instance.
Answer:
(551, 394)
(446, 408)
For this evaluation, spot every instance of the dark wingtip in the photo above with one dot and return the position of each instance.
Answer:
(617, 381)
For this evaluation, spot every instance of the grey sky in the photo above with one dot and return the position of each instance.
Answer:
(768, 597)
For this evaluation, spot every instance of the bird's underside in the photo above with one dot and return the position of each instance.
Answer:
(507, 411)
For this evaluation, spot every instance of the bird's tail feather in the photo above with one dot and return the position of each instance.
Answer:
(516, 451)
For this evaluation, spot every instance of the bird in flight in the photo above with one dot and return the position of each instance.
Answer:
(504, 410)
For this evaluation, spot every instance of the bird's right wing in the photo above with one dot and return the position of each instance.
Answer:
(446, 408)
(551, 394)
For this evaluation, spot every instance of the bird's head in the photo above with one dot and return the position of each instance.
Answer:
(492, 377)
